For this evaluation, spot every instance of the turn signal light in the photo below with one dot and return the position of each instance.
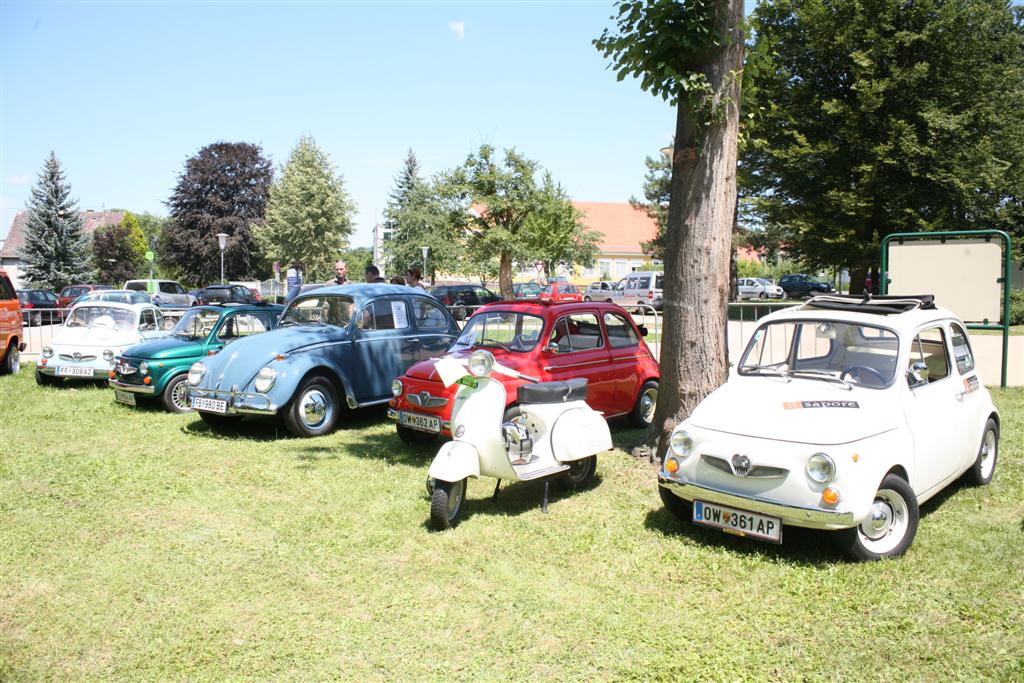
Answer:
(147, 380)
(278, 357)
(42, 361)
(671, 465)
(111, 374)
(830, 496)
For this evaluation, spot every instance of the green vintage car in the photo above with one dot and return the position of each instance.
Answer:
(159, 369)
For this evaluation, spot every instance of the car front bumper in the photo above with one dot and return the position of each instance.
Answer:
(239, 402)
(145, 389)
(811, 518)
(51, 370)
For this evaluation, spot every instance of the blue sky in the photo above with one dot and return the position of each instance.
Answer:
(125, 92)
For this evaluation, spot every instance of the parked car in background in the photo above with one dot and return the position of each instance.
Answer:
(558, 292)
(599, 291)
(301, 289)
(221, 294)
(12, 337)
(462, 300)
(640, 288)
(594, 340)
(40, 307)
(865, 410)
(124, 296)
(334, 344)
(758, 288)
(526, 290)
(68, 295)
(159, 369)
(799, 285)
(163, 292)
(94, 334)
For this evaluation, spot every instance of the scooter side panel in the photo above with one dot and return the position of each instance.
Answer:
(455, 461)
(579, 433)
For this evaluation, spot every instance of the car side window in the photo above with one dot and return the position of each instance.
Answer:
(620, 332)
(644, 281)
(384, 314)
(929, 347)
(429, 316)
(961, 349)
(147, 321)
(577, 332)
(166, 287)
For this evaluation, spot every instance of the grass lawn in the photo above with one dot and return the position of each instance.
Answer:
(141, 545)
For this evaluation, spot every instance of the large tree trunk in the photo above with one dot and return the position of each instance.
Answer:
(698, 242)
(505, 276)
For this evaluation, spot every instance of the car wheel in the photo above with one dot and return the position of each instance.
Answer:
(175, 396)
(12, 360)
(586, 298)
(984, 467)
(314, 409)
(646, 402)
(414, 436)
(446, 504)
(579, 475)
(891, 524)
(680, 509)
(762, 295)
(48, 380)
(219, 421)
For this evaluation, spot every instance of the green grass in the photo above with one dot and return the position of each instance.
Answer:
(141, 545)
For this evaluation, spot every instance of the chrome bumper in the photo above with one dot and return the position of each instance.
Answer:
(812, 518)
(146, 389)
(239, 402)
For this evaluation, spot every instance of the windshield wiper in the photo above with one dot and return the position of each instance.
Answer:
(494, 341)
(822, 374)
(770, 370)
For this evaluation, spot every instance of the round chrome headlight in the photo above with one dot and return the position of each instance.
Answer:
(108, 355)
(396, 388)
(265, 379)
(481, 363)
(144, 367)
(821, 468)
(680, 443)
(47, 352)
(195, 373)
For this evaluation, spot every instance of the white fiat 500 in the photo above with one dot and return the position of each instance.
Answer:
(866, 408)
(93, 335)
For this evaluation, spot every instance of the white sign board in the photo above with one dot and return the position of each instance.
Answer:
(962, 274)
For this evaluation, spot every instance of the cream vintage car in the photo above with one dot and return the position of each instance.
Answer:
(93, 335)
(865, 409)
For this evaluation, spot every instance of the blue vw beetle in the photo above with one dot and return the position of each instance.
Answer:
(347, 341)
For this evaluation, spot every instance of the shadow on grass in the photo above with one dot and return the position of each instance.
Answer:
(270, 428)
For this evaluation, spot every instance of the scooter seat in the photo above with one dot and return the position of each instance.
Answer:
(554, 392)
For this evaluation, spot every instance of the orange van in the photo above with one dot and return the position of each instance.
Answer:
(11, 333)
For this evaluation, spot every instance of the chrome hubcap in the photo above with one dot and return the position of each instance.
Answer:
(886, 524)
(988, 453)
(455, 498)
(314, 409)
(648, 403)
(878, 522)
(178, 396)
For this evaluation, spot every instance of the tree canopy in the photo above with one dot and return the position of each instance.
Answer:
(119, 251)
(223, 189)
(56, 250)
(309, 216)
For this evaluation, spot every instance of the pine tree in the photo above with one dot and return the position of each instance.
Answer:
(309, 216)
(405, 184)
(56, 251)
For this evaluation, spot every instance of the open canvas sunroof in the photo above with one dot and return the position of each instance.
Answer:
(880, 305)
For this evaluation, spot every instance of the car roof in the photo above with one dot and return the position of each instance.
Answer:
(360, 291)
(114, 304)
(235, 307)
(875, 311)
(538, 307)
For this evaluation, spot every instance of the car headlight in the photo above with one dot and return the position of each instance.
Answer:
(680, 443)
(396, 388)
(108, 355)
(265, 379)
(144, 367)
(47, 352)
(481, 363)
(195, 373)
(821, 468)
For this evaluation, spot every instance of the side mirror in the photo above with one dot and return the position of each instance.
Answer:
(551, 348)
(643, 330)
(918, 374)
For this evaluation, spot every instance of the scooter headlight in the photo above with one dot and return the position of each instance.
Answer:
(680, 443)
(396, 388)
(821, 468)
(265, 379)
(195, 373)
(481, 363)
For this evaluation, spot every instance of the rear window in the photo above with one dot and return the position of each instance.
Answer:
(138, 286)
(42, 297)
(659, 282)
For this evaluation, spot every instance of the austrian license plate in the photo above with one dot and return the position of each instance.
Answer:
(424, 423)
(210, 405)
(738, 522)
(71, 371)
(122, 396)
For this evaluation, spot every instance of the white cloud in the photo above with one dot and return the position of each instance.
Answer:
(19, 179)
(458, 28)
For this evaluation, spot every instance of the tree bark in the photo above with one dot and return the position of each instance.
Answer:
(698, 242)
(505, 277)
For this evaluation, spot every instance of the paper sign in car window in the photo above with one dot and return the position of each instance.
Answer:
(398, 311)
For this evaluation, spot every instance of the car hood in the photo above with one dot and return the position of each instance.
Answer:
(425, 369)
(169, 348)
(94, 336)
(801, 410)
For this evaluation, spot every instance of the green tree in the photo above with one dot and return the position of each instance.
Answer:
(119, 251)
(691, 54)
(406, 182)
(223, 189)
(423, 219)
(882, 117)
(56, 250)
(309, 218)
(555, 233)
(657, 192)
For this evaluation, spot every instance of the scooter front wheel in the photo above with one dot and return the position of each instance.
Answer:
(579, 475)
(446, 504)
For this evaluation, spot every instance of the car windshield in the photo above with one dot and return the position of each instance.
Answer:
(319, 310)
(101, 316)
(123, 297)
(826, 350)
(505, 330)
(196, 324)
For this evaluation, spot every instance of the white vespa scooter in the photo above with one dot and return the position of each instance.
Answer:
(555, 433)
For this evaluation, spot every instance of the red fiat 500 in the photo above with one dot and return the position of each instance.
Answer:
(549, 341)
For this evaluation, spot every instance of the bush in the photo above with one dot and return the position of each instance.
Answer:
(1017, 306)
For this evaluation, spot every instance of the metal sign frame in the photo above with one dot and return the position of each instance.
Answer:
(942, 237)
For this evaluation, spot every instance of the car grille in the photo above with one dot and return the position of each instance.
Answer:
(79, 359)
(425, 399)
(753, 472)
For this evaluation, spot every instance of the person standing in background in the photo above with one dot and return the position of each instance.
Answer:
(340, 274)
(414, 277)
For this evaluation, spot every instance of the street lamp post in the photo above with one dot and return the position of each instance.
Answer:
(222, 238)
(426, 271)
